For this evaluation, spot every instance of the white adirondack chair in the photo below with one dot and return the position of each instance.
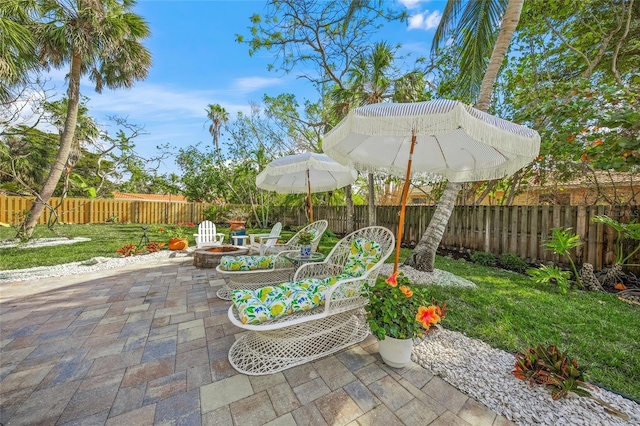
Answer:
(207, 235)
(262, 242)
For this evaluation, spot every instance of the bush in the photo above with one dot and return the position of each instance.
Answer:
(513, 262)
(484, 258)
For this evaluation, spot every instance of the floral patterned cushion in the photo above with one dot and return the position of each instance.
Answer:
(246, 263)
(266, 303)
(363, 256)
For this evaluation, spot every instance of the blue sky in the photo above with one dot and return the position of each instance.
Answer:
(196, 61)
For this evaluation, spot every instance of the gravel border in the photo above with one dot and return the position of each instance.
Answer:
(93, 265)
(484, 373)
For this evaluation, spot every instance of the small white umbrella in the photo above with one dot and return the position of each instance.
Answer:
(440, 138)
(308, 173)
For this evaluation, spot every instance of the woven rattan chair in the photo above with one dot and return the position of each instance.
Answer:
(280, 270)
(317, 228)
(306, 335)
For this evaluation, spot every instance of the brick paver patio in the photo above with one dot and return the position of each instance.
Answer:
(148, 344)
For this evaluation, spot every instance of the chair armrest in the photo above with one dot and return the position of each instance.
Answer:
(252, 237)
(317, 270)
(268, 237)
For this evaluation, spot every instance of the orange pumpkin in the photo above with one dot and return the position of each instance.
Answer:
(178, 243)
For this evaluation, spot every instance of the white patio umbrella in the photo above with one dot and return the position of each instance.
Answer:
(308, 173)
(438, 139)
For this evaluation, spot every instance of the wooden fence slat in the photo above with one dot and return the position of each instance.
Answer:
(533, 233)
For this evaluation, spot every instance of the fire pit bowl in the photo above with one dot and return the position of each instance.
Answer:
(210, 257)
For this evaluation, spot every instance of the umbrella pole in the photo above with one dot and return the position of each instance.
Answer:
(405, 192)
(309, 197)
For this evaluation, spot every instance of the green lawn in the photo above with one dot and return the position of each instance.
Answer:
(506, 310)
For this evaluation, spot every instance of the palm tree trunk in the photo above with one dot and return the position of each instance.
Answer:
(66, 142)
(508, 27)
(372, 201)
(424, 254)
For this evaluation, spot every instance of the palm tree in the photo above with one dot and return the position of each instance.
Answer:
(369, 83)
(476, 32)
(17, 45)
(100, 39)
(218, 116)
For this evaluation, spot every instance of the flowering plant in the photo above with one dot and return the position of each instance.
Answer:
(179, 231)
(400, 310)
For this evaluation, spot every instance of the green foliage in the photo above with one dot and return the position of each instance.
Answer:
(393, 309)
(484, 258)
(562, 241)
(513, 262)
(550, 367)
(214, 213)
(551, 275)
(630, 231)
(305, 238)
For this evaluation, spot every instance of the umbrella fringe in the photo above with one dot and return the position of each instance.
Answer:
(492, 131)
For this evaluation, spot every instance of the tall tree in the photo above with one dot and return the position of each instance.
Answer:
(317, 39)
(218, 117)
(370, 81)
(97, 38)
(476, 21)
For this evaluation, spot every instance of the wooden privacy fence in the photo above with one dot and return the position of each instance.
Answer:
(84, 210)
(519, 230)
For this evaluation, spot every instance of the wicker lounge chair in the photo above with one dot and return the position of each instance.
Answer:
(252, 272)
(322, 307)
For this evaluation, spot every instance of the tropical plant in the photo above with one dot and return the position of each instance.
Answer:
(551, 275)
(548, 366)
(400, 310)
(562, 241)
(628, 231)
(101, 39)
(17, 46)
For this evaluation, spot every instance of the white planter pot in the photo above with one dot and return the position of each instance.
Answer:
(395, 352)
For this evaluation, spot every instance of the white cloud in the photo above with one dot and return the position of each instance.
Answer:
(251, 84)
(410, 4)
(425, 20)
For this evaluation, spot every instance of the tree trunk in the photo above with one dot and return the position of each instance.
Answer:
(507, 28)
(66, 142)
(348, 194)
(372, 201)
(424, 255)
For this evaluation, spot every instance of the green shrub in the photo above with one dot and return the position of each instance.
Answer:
(513, 262)
(484, 258)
